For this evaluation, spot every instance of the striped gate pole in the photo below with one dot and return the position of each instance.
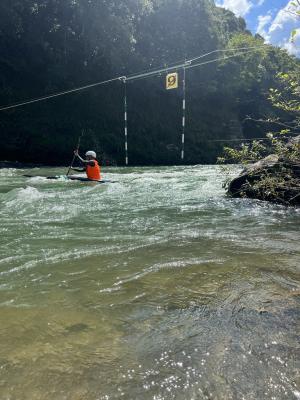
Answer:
(183, 115)
(125, 122)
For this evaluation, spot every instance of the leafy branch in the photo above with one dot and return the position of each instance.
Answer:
(274, 178)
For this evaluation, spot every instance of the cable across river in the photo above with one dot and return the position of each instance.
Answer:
(150, 73)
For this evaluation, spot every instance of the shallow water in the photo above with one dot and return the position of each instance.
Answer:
(154, 287)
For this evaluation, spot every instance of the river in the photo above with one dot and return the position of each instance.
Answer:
(156, 286)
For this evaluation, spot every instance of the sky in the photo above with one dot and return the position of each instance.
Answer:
(272, 19)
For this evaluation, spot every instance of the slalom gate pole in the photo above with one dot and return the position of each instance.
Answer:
(125, 122)
(183, 114)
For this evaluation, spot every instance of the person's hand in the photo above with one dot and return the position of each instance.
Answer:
(76, 152)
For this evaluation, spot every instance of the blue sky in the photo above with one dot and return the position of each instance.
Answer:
(272, 19)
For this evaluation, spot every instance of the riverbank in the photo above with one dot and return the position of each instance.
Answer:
(22, 165)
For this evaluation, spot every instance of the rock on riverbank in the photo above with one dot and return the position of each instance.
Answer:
(272, 179)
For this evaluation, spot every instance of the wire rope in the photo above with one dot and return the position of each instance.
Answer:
(186, 64)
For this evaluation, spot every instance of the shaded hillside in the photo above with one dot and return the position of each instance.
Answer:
(49, 46)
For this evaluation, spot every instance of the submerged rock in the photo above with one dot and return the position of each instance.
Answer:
(272, 179)
(76, 328)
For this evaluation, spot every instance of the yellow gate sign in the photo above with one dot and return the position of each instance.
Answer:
(172, 81)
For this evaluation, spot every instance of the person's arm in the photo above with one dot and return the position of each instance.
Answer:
(78, 155)
(85, 162)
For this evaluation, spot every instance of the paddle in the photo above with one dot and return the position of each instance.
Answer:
(77, 148)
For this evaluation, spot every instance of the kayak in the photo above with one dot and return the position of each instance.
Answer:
(68, 178)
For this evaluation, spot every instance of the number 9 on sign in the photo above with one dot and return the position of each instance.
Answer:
(172, 81)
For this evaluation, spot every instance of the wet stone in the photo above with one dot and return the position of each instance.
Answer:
(76, 328)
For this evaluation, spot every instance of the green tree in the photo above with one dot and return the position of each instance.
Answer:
(276, 178)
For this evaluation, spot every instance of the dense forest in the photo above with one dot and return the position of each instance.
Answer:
(49, 46)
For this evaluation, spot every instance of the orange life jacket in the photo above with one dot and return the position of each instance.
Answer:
(93, 172)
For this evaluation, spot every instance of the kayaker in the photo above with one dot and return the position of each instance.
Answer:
(91, 166)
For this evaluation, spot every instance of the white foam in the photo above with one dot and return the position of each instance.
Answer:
(26, 195)
(8, 172)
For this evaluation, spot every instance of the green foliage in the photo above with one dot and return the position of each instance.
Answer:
(247, 153)
(253, 152)
(278, 183)
(287, 98)
(295, 10)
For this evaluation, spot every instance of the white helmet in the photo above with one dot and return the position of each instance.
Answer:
(91, 153)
